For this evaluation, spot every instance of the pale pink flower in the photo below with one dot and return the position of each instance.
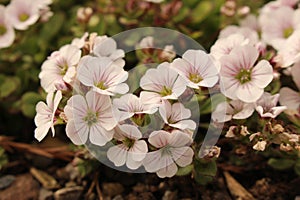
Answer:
(234, 109)
(80, 42)
(45, 115)
(104, 46)
(60, 66)
(248, 33)
(251, 22)
(239, 79)
(146, 42)
(103, 75)
(278, 25)
(290, 52)
(128, 105)
(22, 14)
(161, 83)
(172, 150)
(266, 106)
(260, 145)
(176, 115)
(168, 53)
(289, 97)
(223, 46)
(131, 149)
(274, 5)
(90, 117)
(197, 68)
(7, 33)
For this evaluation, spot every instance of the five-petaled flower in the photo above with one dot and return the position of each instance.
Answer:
(161, 83)
(130, 149)
(176, 115)
(240, 79)
(103, 75)
(60, 67)
(266, 106)
(197, 69)
(90, 117)
(129, 104)
(235, 109)
(172, 150)
(45, 117)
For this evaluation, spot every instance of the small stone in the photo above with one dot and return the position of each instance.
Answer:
(70, 184)
(169, 195)
(6, 181)
(45, 194)
(70, 193)
(45, 179)
(112, 189)
(118, 197)
(24, 187)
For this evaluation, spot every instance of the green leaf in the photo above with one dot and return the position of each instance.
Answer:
(202, 11)
(211, 103)
(208, 168)
(8, 85)
(281, 163)
(204, 171)
(52, 27)
(297, 167)
(28, 103)
(183, 171)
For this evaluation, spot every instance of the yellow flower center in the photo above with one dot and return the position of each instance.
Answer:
(23, 17)
(287, 32)
(195, 78)
(2, 29)
(91, 118)
(244, 76)
(165, 91)
(128, 142)
(101, 85)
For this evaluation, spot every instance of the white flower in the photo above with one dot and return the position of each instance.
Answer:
(60, 66)
(22, 13)
(80, 42)
(7, 33)
(172, 150)
(251, 22)
(239, 79)
(90, 117)
(234, 109)
(289, 97)
(131, 149)
(248, 33)
(260, 146)
(278, 25)
(290, 52)
(104, 46)
(103, 75)
(145, 43)
(266, 105)
(161, 83)
(223, 46)
(128, 105)
(45, 115)
(176, 115)
(197, 69)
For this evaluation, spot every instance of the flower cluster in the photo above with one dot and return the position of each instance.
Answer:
(20, 15)
(252, 57)
(88, 91)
